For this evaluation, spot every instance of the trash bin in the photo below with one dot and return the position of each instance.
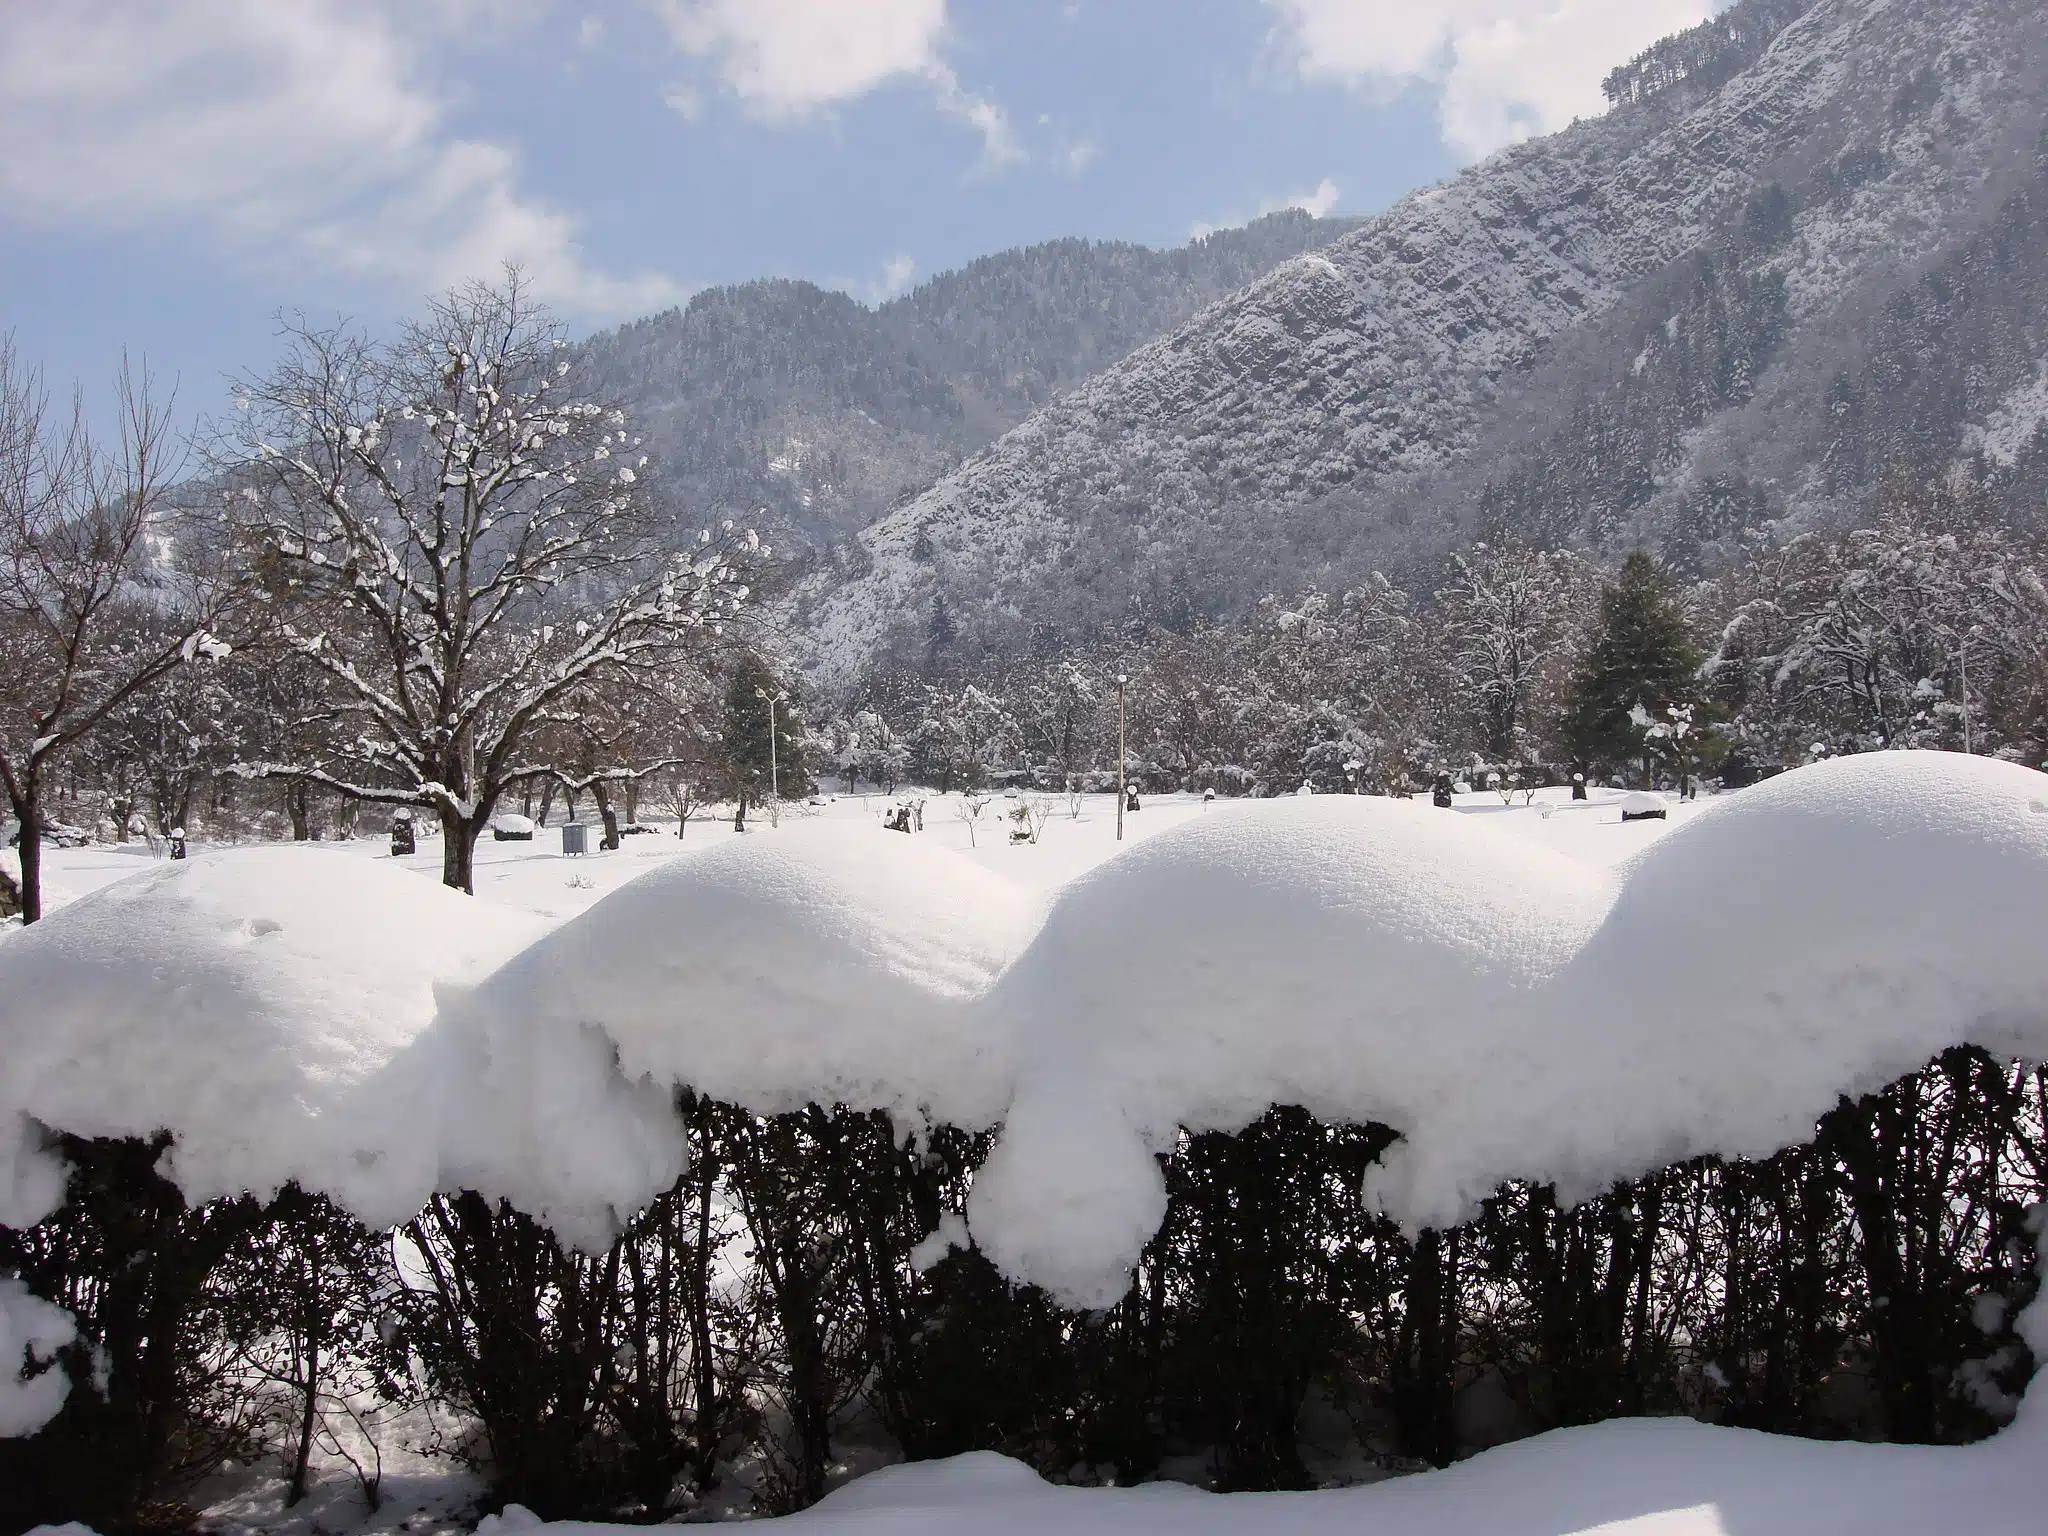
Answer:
(572, 839)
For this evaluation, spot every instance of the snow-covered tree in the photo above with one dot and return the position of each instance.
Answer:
(457, 537)
(1507, 611)
(1641, 660)
(98, 600)
(1897, 635)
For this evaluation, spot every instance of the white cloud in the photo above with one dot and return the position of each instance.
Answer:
(308, 135)
(1503, 69)
(1315, 204)
(590, 32)
(1077, 155)
(897, 273)
(786, 60)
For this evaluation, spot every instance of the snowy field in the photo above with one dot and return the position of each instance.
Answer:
(535, 877)
(309, 1013)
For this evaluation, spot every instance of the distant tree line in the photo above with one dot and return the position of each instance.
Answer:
(1705, 56)
(1928, 628)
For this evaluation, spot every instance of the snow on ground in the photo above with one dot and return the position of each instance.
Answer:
(536, 877)
(1630, 1477)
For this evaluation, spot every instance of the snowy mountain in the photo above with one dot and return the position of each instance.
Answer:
(1803, 247)
(784, 395)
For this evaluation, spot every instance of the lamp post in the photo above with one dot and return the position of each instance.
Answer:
(1121, 795)
(779, 696)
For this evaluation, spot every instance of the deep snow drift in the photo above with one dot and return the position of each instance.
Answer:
(1631, 1477)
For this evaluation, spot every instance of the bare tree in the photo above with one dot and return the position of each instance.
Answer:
(98, 598)
(461, 544)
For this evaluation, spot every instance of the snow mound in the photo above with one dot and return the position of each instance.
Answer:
(275, 1010)
(1313, 950)
(839, 964)
(1627, 1477)
(31, 1332)
(1511, 1013)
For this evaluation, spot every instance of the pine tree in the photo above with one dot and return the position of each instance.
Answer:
(746, 732)
(939, 633)
(1642, 657)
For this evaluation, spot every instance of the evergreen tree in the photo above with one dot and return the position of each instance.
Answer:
(1642, 659)
(939, 633)
(745, 737)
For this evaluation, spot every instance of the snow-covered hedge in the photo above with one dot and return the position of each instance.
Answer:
(300, 1015)
(294, 1014)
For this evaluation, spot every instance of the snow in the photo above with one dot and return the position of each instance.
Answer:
(1659, 991)
(2006, 432)
(835, 966)
(31, 1331)
(1512, 1011)
(274, 1008)
(1535, 990)
(1630, 1477)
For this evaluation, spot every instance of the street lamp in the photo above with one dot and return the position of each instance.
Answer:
(779, 696)
(1121, 795)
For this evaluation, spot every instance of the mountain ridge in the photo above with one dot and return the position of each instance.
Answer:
(783, 396)
(1322, 417)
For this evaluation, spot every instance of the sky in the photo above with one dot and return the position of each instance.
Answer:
(178, 172)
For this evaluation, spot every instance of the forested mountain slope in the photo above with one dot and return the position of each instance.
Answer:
(784, 395)
(1802, 250)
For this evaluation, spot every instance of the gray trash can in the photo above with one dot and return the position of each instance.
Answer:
(572, 839)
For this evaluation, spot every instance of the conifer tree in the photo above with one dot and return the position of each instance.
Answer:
(746, 732)
(1642, 658)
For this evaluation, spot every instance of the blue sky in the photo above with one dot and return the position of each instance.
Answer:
(179, 170)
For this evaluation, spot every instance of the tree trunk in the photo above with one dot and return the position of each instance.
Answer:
(610, 841)
(547, 800)
(709, 1428)
(30, 813)
(309, 1418)
(297, 794)
(458, 850)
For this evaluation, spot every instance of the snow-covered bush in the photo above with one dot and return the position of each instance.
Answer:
(1330, 1099)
